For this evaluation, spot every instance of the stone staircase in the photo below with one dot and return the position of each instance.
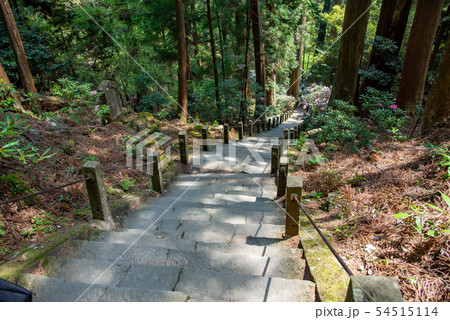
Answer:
(212, 237)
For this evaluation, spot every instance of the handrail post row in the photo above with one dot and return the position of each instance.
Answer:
(278, 120)
(205, 138)
(291, 131)
(257, 126)
(275, 159)
(294, 187)
(96, 191)
(226, 133)
(157, 177)
(295, 133)
(269, 124)
(250, 128)
(183, 142)
(282, 177)
(241, 130)
(264, 124)
(299, 130)
(273, 122)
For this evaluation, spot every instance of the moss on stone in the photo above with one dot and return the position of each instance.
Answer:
(331, 279)
(27, 256)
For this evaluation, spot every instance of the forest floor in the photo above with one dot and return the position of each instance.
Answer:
(76, 139)
(369, 188)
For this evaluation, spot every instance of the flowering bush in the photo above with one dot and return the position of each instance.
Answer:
(382, 109)
(317, 97)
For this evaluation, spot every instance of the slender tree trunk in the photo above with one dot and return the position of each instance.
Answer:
(441, 35)
(213, 52)
(323, 26)
(221, 41)
(19, 52)
(195, 36)
(438, 104)
(245, 89)
(258, 43)
(351, 49)
(182, 61)
(391, 25)
(418, 52)
(296, 73)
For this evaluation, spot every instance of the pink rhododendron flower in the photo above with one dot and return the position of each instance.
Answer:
(393, 106)
(380, 105)
(96, 107)
(94, 92)
(322, 108)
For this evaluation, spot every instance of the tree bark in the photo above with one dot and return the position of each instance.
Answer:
(213, 51)
(19, 52)
(4, 77)
(350, 50)
(182, 61)
(221, 41)
(391, 25)
(418, 52)
(441, 35)
(258, 43)
(323, 26)
(296, 73)
(245, 88)
(438, 105)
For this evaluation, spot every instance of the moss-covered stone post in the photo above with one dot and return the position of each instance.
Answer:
(96, 191)
(205, 138)
(250, 128)
(241, 130)
(291, 134)
(226, 133)
(282, 177)
(183, 142)
(294, 187)
(275, 159)
(156, 173)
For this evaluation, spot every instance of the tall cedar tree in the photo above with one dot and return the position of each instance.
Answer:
(391, 25)
(19, 52)
(354, 29)
(438, 104)
(258, 43)
(323, 26)
(296, 73)
(182, 61)
(213, 51)
(418, 52)
(442, 31)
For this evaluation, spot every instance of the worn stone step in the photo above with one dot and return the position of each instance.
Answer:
(49, 289)
(93, 256)
(152, 240)
(231, 215)
(206, 231)
(237, 287)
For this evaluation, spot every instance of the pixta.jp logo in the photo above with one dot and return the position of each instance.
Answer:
(145, 147)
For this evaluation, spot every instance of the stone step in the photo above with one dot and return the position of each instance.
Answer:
(238, 287)
(91, 256)
(206, 231)
(49, 289)
(151, 240)
(231, 215)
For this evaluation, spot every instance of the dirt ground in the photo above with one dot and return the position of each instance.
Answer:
(30, 221)
(365, 190)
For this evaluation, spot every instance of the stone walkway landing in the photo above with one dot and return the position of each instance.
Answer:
(211, 237)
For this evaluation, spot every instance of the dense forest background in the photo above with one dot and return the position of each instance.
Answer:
(135, 44)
